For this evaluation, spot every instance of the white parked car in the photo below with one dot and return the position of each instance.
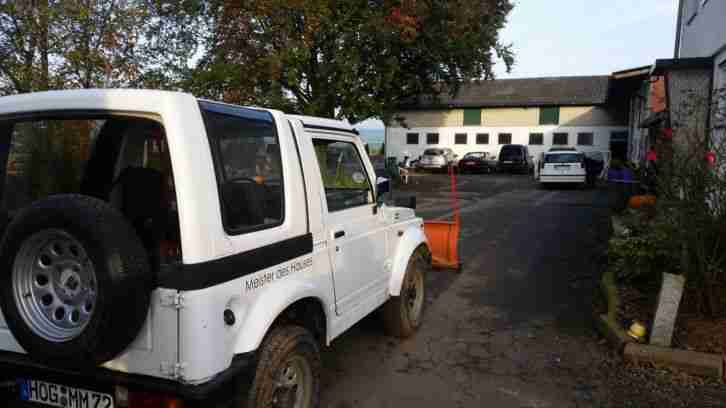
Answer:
(562, 165)
(159, 250)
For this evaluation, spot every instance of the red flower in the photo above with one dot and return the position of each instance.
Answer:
(667, 133)
(711, 158)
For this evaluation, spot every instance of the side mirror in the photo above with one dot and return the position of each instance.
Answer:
(383, 186)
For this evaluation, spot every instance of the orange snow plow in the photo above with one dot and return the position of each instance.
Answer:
(443, 236)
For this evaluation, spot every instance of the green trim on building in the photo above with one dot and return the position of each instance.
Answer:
(472, 117)
(549, 115)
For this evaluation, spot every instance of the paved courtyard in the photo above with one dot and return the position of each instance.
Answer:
(514, 328)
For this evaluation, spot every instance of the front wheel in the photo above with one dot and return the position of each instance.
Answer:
(288, 371)
(402, 314)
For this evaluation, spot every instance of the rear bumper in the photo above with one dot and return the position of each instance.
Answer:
(561, 179)
(215, 393)
(513, 166)
(475, 166)
(432, 166)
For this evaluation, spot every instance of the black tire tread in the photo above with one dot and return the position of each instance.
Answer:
(396, 323)
(281, 341)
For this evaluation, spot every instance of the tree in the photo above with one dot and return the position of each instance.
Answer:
(58, 44)
(347, 58)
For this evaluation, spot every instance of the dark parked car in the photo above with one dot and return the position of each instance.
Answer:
(475, 162)
(515, 158)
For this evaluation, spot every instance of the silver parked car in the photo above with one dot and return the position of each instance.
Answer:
(437, 158)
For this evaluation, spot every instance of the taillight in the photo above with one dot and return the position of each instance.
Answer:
(143, 399)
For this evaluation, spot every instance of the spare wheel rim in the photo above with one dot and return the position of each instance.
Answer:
(54, 285)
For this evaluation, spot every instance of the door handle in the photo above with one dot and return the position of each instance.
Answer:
(339, 234)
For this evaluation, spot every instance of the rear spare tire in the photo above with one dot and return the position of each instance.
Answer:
(75, 281)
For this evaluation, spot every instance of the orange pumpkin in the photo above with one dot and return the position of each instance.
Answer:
(639, 201)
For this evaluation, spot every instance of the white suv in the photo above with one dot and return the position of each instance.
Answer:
(562, 165)
(158, 249)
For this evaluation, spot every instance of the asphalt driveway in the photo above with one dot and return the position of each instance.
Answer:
(514, 328)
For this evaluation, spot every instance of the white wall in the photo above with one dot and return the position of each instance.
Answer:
(396, 138)
(706, 33)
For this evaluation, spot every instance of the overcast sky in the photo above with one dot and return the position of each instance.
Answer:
(588, 37)
(585, 37)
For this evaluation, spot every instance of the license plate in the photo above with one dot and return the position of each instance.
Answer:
(62, 396)
(469, 164)
(563, 167)
(507, 162)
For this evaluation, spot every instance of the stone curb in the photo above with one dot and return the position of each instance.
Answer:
(692, 362)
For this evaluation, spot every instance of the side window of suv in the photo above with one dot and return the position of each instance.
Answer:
(344, 176)
(248, 166)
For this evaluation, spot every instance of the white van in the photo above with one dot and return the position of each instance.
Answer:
(562, 165)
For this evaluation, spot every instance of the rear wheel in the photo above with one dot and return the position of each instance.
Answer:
(402, 314)
(288, 371)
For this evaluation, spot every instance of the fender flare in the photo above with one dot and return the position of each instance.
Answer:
(411, 240)
(260, 316)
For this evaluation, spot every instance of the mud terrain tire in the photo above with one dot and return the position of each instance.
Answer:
(288, 371)
(402, 314)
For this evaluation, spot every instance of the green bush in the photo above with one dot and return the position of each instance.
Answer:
(644, 255)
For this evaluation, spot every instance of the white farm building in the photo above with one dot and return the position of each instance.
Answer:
(537, 112)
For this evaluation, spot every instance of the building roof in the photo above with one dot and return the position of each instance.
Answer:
(663, 65)
(633, 72)
(552, 91)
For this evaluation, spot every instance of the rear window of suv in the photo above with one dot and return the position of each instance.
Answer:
(563, 158)
(511, 152)
(433, 152)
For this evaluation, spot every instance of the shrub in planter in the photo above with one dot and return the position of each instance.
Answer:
(641, 257)
(692, 196)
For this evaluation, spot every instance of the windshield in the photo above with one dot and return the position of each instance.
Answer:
(563, 158)
(475, 155)
(433, 152)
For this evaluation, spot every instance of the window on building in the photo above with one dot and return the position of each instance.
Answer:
(559, 139)
(721, 88)
(460, 138)
(536, 138)
(505, 138)
(585, 139)
(432, 138)
(549, 115)
(620, 136)
(472, 117)
(482, 138)
(411, 138)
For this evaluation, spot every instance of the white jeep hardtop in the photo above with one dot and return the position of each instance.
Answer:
(155, 245)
